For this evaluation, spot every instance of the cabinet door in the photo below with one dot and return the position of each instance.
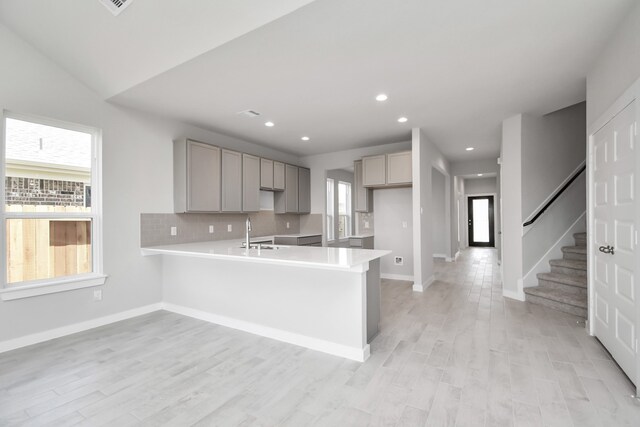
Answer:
(231, 181)
(266, 174)
(278, 176)
(203, 177)
(399, 168)
(304, 190)
(250, 183)
(363, 196)
(374, 170)
(291, 188)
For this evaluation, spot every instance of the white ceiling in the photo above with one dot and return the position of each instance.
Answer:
(455, 69)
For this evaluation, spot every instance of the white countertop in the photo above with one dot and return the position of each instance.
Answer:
(309, 256)
(361, 236)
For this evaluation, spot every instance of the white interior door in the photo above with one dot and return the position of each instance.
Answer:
(613, 204)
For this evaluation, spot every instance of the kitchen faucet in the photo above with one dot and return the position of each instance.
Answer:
(247, 242)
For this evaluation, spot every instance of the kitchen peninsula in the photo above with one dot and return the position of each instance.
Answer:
(325, 299)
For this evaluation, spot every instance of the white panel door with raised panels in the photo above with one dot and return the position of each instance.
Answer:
(613, 203)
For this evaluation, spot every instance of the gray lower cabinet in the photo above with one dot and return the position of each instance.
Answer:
(196, 177)
(231, 181)
(304, 190)
(306, 240)
(266, 174)
(250, 183)
(287, 200)
(362, 242)
(278, 176)
(363, 196)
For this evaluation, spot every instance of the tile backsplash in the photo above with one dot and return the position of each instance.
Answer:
(155, 229)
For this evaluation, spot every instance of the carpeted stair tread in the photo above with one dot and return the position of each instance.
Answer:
(569, 263)
(565, 279)
(582, 250)
(557, 295)
(582, 235)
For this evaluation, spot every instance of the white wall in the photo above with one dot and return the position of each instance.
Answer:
(393, 207)
(616, 68)
(553, 146)
(480, 186)
(425, 156)
(438, 202)
(137, 177)
(510, 188)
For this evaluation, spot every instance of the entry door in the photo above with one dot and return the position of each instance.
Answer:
(481, 221)
(612, 202)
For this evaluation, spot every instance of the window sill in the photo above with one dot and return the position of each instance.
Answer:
(45, 287)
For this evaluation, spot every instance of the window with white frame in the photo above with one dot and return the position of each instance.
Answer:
(330, 211)
(344, 209)
(51, 204)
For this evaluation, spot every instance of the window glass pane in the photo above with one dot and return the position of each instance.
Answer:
(344, 209)
(47, 248)
(47, 168)
(330, 210)
(481, 220)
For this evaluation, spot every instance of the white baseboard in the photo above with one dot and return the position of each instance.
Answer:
(516, 295)
(396, 277)
(353, 353)
(76, 327)
(440, 256)
(555, 252)
(425, 285)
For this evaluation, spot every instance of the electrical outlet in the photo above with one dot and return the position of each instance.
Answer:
(174, 231)
(404, 224)
(229, 228)
(287, 225)
(398, 260)
(366, 224)
(211, 229)
(97, 295)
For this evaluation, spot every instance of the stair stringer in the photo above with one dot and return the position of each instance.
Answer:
(555, 252)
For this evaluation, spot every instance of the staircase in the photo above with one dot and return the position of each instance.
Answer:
(565, 287)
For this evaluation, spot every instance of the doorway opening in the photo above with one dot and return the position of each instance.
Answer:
(481, 221)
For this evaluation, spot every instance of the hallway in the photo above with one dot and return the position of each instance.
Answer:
(458, 354)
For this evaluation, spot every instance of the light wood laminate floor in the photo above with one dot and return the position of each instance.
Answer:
(458, 354)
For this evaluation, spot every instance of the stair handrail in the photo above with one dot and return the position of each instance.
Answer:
(556, 195)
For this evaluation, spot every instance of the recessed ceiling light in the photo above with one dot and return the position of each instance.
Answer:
(381, 97)
(479, 174)
(269, 124)
(305, 138)
(469, 148)
(402, 120)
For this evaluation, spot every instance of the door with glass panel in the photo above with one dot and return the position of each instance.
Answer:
(481, 224)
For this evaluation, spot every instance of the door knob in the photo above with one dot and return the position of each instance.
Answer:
(606, 249)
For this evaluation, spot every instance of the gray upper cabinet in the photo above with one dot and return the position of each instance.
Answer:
(278, 176)
(266, 174)
(363, 196)
(304, 190)
(196, 177)
(374, 170)
(287, 200)
(399, 168)
(231, 181)
(387, 170)
(250, 183)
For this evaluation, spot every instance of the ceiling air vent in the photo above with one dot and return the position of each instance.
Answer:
(249, 113)
(116, 6)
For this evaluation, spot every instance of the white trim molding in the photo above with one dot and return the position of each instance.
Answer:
(406, 277)
(51, 286)
(425, 285)
(76, 327)
(352, 353)
(516, 295)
